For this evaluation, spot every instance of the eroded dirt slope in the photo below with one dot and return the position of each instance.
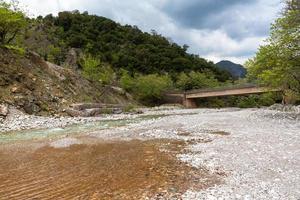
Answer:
(39, 87)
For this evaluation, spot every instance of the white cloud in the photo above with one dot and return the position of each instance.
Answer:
(215, 45)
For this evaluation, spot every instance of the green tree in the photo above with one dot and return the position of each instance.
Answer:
(277, 64)
(149, 89)
(196, 80)
(12, 20)
(94, 70)
(146, 88)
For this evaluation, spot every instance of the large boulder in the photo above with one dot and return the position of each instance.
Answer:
(72, 58)
(84, 106)
(3, 110)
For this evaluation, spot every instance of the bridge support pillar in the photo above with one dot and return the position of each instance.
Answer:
(189, 103)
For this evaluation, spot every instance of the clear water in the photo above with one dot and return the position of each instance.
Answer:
(38, 134)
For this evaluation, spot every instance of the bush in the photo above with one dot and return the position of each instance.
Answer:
(94, 70)
(12, 21)
(195, 80)
(148, 89)
(55, 54)
(247, 102)
(126, 81)
(267, 99)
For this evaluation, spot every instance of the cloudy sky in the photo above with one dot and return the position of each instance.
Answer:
(214, 29)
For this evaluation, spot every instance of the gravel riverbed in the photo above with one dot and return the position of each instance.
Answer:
(257, 150)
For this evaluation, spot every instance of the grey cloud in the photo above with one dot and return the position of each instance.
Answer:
(236, 17)
(214, 29)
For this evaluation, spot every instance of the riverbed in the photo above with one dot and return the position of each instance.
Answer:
(162, 154)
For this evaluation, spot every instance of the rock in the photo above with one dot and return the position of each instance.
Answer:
(31, 108)
(83, 106)
(14, 89)
(92, 112)
(72, 59)
(117, 111)
(3, 110)
(74, 113)
(118, 90)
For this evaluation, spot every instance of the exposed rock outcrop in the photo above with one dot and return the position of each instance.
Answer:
(93, 109)
(3, 110)
(72, 59)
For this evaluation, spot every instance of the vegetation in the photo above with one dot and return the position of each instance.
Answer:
(122, 47)
(196, 80)
(148, 64)
(250, 101)
(147, 88)
(12, 21)
(277, 64)
(94, 70)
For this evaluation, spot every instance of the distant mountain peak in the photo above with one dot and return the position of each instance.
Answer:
(236, 70)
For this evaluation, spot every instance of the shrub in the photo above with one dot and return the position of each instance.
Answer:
(267, 99)
(196, 80)
(126, 81)
(148, 89)
(94, 70)
(12, 21)
(247, 102)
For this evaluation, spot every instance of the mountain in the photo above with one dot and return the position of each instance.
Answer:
(121, 46)
(236, 70)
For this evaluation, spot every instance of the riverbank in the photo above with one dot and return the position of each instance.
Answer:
(230, 153)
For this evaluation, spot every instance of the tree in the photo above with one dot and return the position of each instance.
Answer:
(12, 20)
(94, 70)
(277, 64)
(195, 80)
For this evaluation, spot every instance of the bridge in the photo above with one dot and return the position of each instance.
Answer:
(188, 98)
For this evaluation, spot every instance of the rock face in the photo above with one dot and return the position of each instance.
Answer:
(93, 109)
(72, 59)
(3, 110)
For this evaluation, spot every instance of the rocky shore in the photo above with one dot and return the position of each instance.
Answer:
(12, 119)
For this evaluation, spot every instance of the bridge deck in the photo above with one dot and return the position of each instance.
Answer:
(228, 92)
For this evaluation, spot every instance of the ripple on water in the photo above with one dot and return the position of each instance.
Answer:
(117, 170)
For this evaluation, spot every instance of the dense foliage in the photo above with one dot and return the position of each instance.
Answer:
(12, 20)
(147, 88)
(123, 47)
(277, 63)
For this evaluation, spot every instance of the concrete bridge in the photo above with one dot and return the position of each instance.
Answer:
(188, 98)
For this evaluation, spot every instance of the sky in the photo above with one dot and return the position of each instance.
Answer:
(214, 29)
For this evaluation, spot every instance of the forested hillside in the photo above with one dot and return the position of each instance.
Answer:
(124, 47)
(144, 64)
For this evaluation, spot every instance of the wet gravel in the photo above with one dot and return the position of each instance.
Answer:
(260, 152)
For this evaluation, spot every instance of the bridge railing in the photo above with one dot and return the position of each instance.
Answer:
(230, 87)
